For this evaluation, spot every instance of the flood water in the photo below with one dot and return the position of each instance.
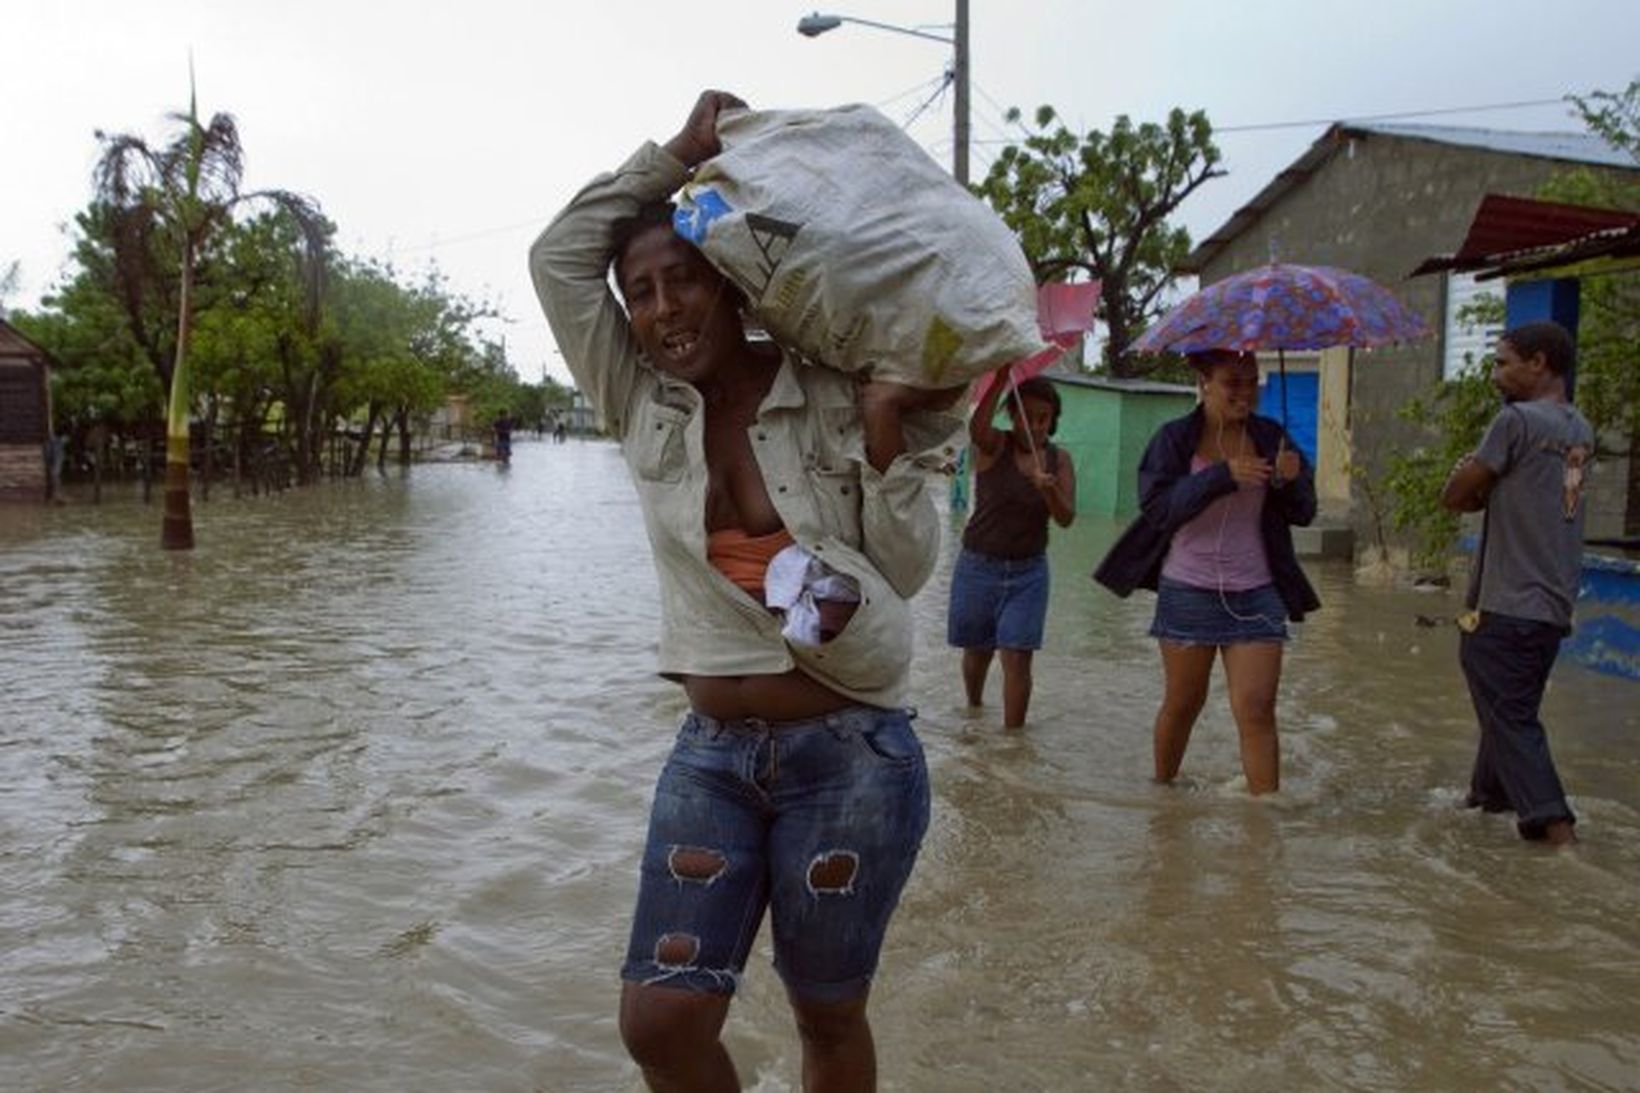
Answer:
(351, 798)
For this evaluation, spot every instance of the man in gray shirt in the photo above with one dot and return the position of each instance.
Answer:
(1528, 476)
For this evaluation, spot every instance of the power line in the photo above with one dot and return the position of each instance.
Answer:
(943, 81)
(470, 236)
(939, 93)
(1002, 112)
(1266, 126)
(908, 92)
(1260, 126)
(1389, 117)
(995, 122)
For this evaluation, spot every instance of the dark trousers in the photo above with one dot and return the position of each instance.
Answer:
(1506, 662)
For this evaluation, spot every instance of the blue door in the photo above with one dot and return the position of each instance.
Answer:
(1303, 406)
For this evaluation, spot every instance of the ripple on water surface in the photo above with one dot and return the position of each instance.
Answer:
(352, 796)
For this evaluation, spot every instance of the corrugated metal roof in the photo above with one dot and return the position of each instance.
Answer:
(1571, 147)
(1517, 234)
(1114, 383)
(13, 344)
(1568, 147)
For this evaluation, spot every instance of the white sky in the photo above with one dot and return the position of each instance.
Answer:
(450, 132)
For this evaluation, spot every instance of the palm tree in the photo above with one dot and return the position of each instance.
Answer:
(181, 194)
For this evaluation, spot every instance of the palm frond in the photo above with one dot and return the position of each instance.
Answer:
(222, 156)
(206, 160)
(315, 230)
(133, 226)
(125, 168)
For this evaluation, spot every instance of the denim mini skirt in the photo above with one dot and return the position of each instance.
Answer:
(1207, 616)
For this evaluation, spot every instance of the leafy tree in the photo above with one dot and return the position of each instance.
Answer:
(1615, 116)
(254, 302)
(535, 402)
(104, 379)
(269, 347)
(1098, 204)
(402, 348)
(492, 385)
(1457, 412)
(184, 192)
(442, 350)
(373, 320)
(102, 376)
(287, 360)
(1608, 335)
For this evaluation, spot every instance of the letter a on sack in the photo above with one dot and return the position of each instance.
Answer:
(773, 238)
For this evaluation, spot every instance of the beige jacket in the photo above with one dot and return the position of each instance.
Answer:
(880, 528)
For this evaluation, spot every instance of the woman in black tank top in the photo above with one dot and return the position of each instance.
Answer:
(999, 588)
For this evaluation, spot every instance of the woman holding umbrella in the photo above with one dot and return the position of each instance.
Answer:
(999, 588)
(1220, 490)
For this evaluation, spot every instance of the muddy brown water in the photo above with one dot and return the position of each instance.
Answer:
(351, 798)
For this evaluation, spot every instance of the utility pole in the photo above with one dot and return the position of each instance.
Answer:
(959, 79)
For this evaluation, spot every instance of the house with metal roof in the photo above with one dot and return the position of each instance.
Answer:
(25, 418)
(1379, 200)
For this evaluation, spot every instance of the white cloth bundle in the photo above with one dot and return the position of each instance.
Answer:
(794, 583)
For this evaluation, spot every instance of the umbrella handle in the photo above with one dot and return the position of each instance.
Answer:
(1281, 359)
(1013, 389)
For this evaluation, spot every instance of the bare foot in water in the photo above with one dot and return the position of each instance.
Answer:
(1559, 833)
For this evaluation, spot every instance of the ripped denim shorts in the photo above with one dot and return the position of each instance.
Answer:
(818, 820)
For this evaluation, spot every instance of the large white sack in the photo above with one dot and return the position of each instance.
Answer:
(855, 249)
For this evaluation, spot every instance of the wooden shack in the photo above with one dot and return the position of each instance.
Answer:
(25, 417)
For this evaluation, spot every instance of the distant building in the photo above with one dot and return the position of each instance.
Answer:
(579, 417)
(1379, 200)
(1105, 424)
(25, 418)
(453, 420)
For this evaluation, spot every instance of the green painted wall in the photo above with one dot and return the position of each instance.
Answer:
(1105, 425)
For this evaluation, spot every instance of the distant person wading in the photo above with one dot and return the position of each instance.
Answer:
(999, 587)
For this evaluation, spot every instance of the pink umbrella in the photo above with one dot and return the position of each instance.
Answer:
(1063, 314)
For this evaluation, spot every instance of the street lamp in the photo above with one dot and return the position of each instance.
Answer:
(816, 24)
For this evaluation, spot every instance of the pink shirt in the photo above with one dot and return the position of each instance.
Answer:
(1220, 547)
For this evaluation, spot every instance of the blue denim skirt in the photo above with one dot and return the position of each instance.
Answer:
(1206, 616)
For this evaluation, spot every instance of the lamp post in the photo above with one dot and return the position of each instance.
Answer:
(816, 24)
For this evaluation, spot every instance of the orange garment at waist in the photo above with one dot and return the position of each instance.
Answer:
(744, 559)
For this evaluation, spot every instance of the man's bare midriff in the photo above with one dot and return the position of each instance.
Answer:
(791, 696)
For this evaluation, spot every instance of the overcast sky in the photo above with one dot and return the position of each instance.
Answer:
(448, 133)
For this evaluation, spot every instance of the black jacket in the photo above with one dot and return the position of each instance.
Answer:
(1169, 496)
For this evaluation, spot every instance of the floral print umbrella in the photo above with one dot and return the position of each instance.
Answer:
(1280, 307)
(1283, 306)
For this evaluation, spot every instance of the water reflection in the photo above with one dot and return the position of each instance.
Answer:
(352, 796)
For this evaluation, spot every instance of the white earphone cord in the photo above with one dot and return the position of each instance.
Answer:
(1218, 549)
